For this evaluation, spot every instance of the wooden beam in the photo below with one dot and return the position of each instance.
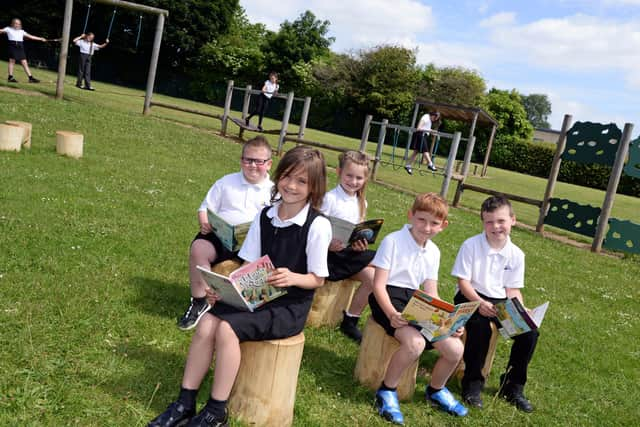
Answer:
(381, 137)
(485, 163)
(64, 49)
(316, 144)
(134, 6)
(512, 197)
(305, 116)
(153, 65)
(448, 172)
(185, 110)
(365, 133)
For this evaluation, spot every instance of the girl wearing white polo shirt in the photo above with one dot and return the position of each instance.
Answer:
(16, 36)
(87, 49)
(348, 202)
(269, 89)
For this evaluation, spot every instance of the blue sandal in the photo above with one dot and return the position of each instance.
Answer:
(445, 401)
(388, 406)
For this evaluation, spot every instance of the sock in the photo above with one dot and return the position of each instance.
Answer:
(431, 390)
(385, 387)
(347, 314)
(200, 300)
(216, 408)
(188, 397)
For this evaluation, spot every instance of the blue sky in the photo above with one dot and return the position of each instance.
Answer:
(584, 54)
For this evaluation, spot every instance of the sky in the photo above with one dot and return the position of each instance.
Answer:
(583, 54)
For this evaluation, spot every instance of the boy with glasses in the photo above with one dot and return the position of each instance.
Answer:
(237, 198)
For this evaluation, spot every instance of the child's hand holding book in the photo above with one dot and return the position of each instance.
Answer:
(281, 278)
(211, 296)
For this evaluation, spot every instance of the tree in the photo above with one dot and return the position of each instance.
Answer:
(506, 107)
(451, 85)
(538, 109)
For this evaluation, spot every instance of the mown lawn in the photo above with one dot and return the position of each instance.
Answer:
(93, 273)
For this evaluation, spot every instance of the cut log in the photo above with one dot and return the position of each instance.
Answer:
(11, 137)
(26, 137)
(491, 354)
(330, 301)
(226, 267)
(69, 143)
(265, 389)
(376, 350)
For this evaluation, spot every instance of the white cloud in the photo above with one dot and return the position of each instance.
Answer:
(502, 18)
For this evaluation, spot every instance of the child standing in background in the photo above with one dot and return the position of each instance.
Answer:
(87, 49)
(16, 36)
(419, 144)
(348, 202)
(269, 89)
(296, 237)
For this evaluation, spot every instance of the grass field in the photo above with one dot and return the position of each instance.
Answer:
(93, 273)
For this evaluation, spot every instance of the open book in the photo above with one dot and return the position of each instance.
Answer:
(231, 236)
(246, 288)
(438, 319)
(348, 233)
(515, 319)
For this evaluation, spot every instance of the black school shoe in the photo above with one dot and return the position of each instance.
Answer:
(207, 419)
(12, 79)
(194, 313)
(349, 327)
(33, 80)
(176, 415)
(471, 394)
(514, 394)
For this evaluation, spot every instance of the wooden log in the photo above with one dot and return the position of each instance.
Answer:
(26, 137)
(512, 197)
(265, 389)
(376, 350)
(69, 143)
(330, 301)
(11, 137)
(226, 267)
(491, 354)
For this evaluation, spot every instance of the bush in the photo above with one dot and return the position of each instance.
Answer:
(536, 158)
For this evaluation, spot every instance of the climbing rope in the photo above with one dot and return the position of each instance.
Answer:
(113, 17)
(86, 19)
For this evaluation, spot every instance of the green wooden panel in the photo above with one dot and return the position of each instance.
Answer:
(570, 216)
(589, 142)
(633, 165)
(623, 236)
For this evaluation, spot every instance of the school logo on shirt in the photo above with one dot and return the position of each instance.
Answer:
(507, 268)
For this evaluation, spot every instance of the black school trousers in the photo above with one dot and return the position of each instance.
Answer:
(84, 70)
(261, 107)
(477, 345)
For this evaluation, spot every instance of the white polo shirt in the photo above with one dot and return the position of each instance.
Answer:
(317, 245)
(425, 123)
(339, 204)
(15, 35)
(271, 88)
(490, 271)
(88, 48)
(236, 200)
(409, 264)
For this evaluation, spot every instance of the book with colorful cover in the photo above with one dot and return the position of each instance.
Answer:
(437, 319)
(347, 232)
(231, 236)
(515, 319)
(245, 288)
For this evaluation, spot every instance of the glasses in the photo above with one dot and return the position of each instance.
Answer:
(258, 162)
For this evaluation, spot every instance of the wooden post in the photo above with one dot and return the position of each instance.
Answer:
(465, 169)
(285, 122)
(448, 173)
(153, 66)
(414, 118)
(27, 127)
(305, 116)
(69, 143)
(265, 389)
(227, 108)
(365, 133)
(485, 163)
(11, 137)
(381, 137)
(330, 301)
(246, 101)
(472, 129)
(553, 173)
(491, 354)
(376, 350)
(612, 187)
(64, 49)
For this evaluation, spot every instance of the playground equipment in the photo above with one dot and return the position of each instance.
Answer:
(155, 53)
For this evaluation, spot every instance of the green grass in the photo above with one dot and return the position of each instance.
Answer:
(93, 273)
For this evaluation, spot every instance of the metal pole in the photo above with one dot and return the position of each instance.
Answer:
(485, 163)
(553, 173)
(465, 169)
(305, 115)
(246, 101)
(381, 137)
(227, 108)
(64, 49)
(365, 133)
(612, 187)
(285, 122)
(448, 173)
(155, 53)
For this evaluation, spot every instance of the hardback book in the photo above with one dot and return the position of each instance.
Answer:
(231, 236)
(347, 232)
(515, 319)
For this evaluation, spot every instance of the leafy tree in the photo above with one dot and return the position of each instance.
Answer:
(506, 107)
(538, 109)
(451, 85)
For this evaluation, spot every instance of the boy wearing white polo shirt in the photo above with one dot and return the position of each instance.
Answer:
(237, 198)
(406, 260)
(87, 49)
(490, 268)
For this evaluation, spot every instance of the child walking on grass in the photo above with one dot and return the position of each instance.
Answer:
(16, 36)
(490, 268)
(348, 202)
(296, 237)
(87, 49)
(419, 142)
(237, 198)
(406, 260)
(269, 89)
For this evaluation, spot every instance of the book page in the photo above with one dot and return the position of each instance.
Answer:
(251, 280)
(537, 314)
(511, 318)
(341, 229)
(221, 285)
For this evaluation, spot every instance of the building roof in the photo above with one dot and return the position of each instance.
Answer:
(553, 131)
(458, 112)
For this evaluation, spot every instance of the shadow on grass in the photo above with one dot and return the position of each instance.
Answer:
(160, 298)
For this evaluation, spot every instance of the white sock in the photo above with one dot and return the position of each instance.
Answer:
(346, 312)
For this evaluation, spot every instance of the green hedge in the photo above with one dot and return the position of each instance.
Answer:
(534, 158)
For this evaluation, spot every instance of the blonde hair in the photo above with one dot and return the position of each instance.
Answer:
(360, 159)
(309, 160)
(432, 203)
